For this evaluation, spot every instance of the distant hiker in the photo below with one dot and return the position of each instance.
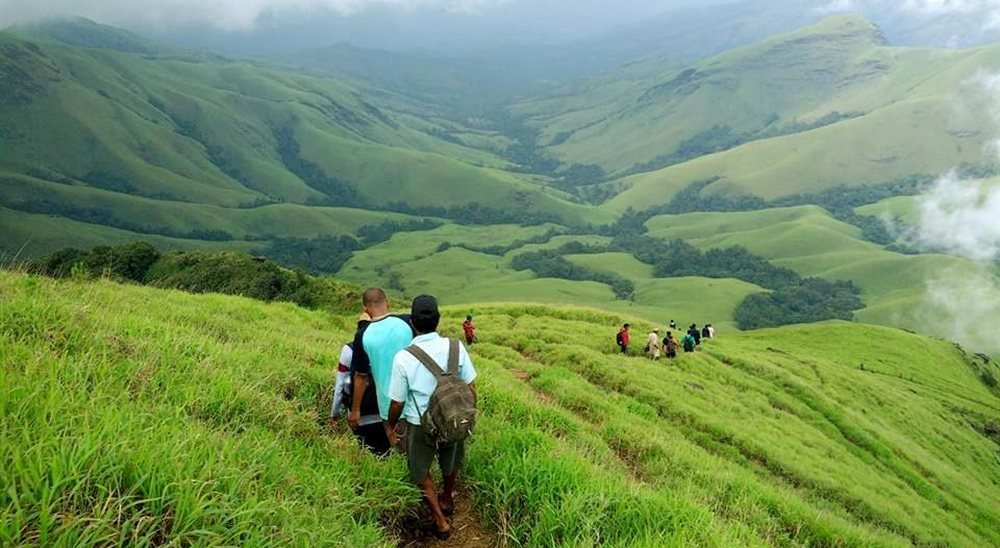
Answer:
(433, 388)
(711, 331)
(688, 342)
(343, 379)
(622, 339)
(375, 345)
(693, 331)
(673, 324)
(653, 344)
(470, 330)
(705, 334)
(670, 345)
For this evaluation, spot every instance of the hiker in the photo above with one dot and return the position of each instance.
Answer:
(693, 331)
(705, 334)
(343, 379)
(711, 331)
(432, 380)
(653, 344)
(670, 345)
(622, 339)
(375, 345)
(673, 324)
(470, 331)
(688, 342)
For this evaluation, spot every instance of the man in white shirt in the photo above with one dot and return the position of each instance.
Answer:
(653, 344)
(410, 390)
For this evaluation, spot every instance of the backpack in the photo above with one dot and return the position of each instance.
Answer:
(671, 345)
(451, 413)
(618, 338)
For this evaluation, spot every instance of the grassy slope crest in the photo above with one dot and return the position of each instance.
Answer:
(827, 105)
(138, 415)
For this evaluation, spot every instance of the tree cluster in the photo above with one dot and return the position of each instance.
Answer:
(551, 264)
(223, 272)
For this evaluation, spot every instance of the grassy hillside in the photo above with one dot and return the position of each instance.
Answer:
(157, 137)
(134, 415)
(809, 241)
(435, 261)
(826, 105)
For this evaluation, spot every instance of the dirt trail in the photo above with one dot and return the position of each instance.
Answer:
(468, 532)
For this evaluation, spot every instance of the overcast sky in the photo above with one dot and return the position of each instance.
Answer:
(245, 15)
(443, 24)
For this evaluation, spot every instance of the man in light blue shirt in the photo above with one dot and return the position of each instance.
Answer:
(410, 390)
(375, 345)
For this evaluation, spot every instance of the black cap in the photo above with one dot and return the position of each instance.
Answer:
(425, 306)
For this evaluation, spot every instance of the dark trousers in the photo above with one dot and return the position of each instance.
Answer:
(372, 437)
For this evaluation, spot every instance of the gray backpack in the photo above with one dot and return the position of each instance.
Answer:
(451, 414)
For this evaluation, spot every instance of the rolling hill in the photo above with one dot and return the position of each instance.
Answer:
(170, 143)
(827, 105)
(111, 138)
(134, 415)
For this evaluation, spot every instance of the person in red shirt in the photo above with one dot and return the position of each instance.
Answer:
(622, 339)
(470, 330)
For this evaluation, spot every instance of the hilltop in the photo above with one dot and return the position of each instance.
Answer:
(137, 415)
(827, 105)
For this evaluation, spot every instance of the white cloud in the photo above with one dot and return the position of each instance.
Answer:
(964, 306)
(225, 14)
(960, 217)
(942, 7)
(838, 6)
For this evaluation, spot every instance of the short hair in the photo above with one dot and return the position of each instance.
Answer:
(372, 296)
(426, 323)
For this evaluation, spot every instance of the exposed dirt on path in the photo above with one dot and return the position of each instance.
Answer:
(468, 530)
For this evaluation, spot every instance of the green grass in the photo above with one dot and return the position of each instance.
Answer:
(133, 415)
(809, 241)
(906, 96)
(167, 135)
(907, 208)
(413, 261)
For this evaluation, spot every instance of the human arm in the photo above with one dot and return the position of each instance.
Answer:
(399, 389)
(360, 383)
(360, 371)
(395, 413)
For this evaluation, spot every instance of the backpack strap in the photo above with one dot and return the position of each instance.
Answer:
(453, 350)
(427, 361)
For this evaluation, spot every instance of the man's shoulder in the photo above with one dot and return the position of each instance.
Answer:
(392, 322)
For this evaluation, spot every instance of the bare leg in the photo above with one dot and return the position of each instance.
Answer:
(447, 499)
(431, 498)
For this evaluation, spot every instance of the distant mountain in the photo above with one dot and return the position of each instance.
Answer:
(78, 31)
(822, 106)
(193, 147)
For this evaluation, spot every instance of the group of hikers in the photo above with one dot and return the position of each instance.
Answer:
(405, 387)
(689, 342)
